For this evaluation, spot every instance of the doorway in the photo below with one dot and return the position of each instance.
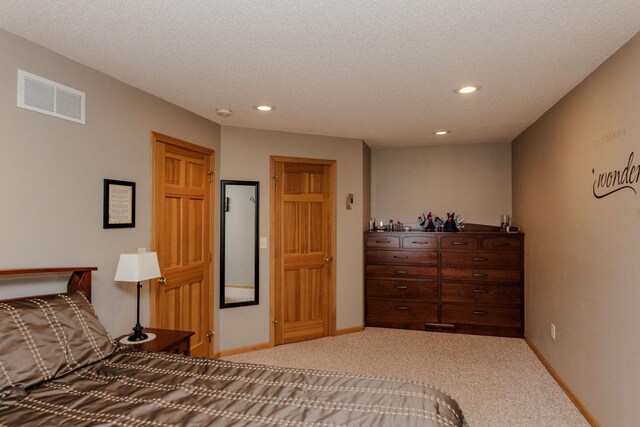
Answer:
(303, 227)
(182, 212)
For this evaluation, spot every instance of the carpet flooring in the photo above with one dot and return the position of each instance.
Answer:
(497, 381)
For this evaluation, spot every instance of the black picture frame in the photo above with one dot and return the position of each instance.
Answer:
(107, 222)
(224, 235)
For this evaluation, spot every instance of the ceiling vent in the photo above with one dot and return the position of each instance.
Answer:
(45, 96)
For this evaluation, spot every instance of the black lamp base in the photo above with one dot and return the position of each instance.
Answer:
(137, 334)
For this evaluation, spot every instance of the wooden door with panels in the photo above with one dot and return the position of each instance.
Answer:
(182, 299)
(303, 301)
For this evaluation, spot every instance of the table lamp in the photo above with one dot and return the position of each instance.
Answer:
(133, 268)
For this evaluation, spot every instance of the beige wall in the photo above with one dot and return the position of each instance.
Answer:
(52, 173)
(582, 269)
(472, 180)
(246, 155)
(366, 184)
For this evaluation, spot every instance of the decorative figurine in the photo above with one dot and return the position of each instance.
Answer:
(430, 226)
(453, 223)
(450, 225)
(426, 221)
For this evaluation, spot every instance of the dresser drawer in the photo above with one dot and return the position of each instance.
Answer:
(402, 271)
(501, 243)
(402, 289)
(382, 241)
(405, 310)
(481, 315)
(458, 243)
(420, 242)
(481, 274)
(481, 259)
(402, 257)
(481, 293)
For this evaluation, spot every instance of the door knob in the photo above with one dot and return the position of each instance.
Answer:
(210, 334)
(163, 281)
(328, 259)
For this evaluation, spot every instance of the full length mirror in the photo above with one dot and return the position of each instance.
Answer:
(239, 243)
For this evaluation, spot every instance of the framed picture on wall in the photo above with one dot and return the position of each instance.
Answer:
(119, 209)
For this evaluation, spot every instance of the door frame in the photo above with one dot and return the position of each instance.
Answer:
(274, 241)
(209, 266)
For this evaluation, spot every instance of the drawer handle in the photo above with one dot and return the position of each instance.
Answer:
(402, 287)
(459, 243)
(383, 241)
(415, 242)
(480, 291)
(400, 257)
(402, 308)
(480, 313)
(401, 271)
(481, 259)
(479, 275)
(500, 244)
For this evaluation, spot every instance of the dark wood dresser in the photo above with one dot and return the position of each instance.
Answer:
(468, 282)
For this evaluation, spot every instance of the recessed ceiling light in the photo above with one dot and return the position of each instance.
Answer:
(441, 132)
(264, 107)
(223, 112)
(467, 89)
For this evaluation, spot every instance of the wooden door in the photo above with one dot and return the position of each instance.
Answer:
(183, 298)
(303, 236)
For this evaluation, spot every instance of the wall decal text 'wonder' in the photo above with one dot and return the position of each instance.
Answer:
(610, 182)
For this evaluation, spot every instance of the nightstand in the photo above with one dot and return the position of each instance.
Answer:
(166, 340)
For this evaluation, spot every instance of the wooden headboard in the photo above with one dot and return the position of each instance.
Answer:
(80, 279)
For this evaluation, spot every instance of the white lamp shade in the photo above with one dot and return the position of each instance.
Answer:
(137, 267)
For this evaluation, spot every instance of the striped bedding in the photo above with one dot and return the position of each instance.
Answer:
(131, 388)
(59, 366)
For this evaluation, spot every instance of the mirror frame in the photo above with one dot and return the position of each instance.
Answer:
(223, 195)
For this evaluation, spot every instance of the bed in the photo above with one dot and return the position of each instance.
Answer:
(59, 366)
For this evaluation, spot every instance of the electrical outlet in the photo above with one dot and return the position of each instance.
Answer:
(553, 331)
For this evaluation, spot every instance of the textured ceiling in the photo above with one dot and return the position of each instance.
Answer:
(382, 71)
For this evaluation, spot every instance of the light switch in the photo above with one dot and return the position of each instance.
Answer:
(263, 243)
(349, 201)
